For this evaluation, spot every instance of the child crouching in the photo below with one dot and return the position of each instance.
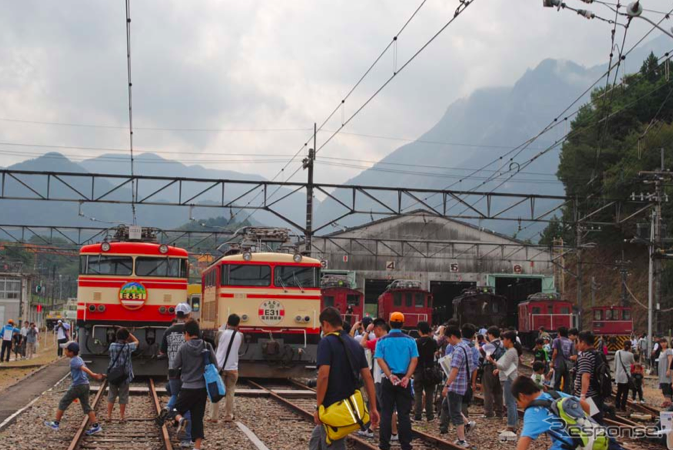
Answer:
(79, 389)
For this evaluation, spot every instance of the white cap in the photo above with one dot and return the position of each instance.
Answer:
(60, 321)
(182, 309)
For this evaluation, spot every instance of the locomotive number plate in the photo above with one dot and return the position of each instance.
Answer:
(271, 312)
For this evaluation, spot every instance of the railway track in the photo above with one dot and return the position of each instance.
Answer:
(305, 406)
(138, 431)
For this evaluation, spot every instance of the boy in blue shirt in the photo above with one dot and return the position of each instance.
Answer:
(79, 389)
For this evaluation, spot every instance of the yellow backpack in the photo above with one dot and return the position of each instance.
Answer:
(348, 415)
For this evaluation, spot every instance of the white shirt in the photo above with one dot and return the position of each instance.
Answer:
(623, 361)
(60, 333)
(223, 345)
(24, 331)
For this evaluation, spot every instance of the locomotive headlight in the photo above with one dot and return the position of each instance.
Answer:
(171, 310)
(101, 308)
(296, 258)
(92, 308)
(297, 319)
(245, 317)
(307, 319)
(105, 246)
(162, 310)
(163, 249)
(247, 256)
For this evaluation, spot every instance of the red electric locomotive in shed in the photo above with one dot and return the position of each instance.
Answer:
(543, 310)
(409, 298)
(338, 292)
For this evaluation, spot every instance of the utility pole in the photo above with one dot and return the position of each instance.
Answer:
(578, 243)
(655, 243)
(308, 164)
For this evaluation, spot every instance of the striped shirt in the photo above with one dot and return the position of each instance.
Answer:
(586, 363)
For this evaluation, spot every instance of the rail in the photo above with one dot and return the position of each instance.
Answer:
(74, 444)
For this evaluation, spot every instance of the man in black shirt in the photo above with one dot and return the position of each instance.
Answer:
(427, 347)
(335, 377)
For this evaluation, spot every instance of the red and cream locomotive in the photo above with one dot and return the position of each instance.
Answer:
(134, 282)
(543, 310)
(276, 293)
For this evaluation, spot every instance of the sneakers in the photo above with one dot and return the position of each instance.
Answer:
(186, 444)
(94, 429)
(161, 418)
(469, 428)
(461, 443)
(394, 438)
(642, 402)
(366, 433)
(182, 429)
(53, 425)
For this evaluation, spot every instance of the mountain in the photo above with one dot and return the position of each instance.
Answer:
(490, 123)
(165, 217)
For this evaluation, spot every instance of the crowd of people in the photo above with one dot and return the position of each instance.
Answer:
(22, 342)
(409, 386)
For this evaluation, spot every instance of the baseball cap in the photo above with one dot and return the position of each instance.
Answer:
(10, 321)
(71, 346)
(397, 317)
(366, 321)
(182, 309)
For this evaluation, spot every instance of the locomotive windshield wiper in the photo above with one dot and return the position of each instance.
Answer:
(294, 275)
(280, 280)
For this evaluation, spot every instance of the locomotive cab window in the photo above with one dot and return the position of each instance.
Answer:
(565, 310)
(408, 300)
(296, 276)
(106, 265)
(495, 307)
(246, 275)
(598, 315)
(161, 267)
(353, 299)
(536, 310)
(626, 314)
(328, 300)
(419, 300)
(608, 314)
(397, 299)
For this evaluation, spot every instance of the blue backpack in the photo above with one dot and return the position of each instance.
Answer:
(214, 383)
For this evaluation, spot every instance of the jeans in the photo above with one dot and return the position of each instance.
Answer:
(399, 399)
(318, 441)
(59, 351)
(638, 390)
(510, 402)
(419, 388)
(175, 386)
(622, 395)
(565, 375)
(194, 402)
(7, 346)
(492, 392)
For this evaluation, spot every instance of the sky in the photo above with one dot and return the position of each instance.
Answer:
(254, 76)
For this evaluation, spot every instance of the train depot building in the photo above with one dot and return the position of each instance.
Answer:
(446, 256)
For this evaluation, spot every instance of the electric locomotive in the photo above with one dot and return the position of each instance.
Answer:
(613, 323)
(338, 292)
(276, 293)
(134, 282)
(409, 298)
(543, 310)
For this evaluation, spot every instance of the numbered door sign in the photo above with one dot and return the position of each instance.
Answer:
(454, 267)
(324, 263)
(390, 265)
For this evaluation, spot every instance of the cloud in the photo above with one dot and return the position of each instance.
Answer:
(261, 65)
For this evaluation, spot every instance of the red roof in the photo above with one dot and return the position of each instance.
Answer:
(134, 248)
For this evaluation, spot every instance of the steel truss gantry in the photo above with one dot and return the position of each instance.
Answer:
(349, 199)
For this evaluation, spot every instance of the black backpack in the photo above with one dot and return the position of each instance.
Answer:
(117, 375)
(602, 375)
